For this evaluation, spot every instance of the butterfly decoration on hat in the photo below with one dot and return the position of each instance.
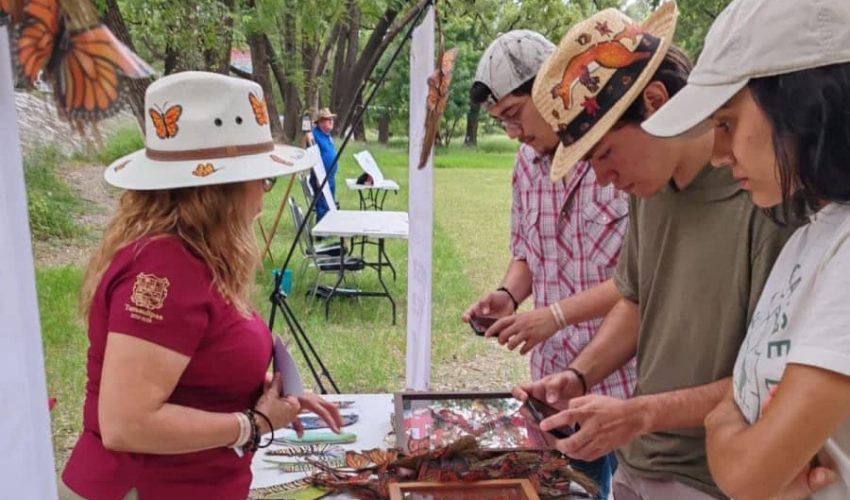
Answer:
(84, 62)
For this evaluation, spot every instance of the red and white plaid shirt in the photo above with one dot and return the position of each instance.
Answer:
(570, 234)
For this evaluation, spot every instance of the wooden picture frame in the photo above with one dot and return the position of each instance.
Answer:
(497, 489)
(521, 435)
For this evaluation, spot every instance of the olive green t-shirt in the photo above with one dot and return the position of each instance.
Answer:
(695, 262)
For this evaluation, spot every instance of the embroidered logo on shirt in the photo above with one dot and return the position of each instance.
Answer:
(149, 293)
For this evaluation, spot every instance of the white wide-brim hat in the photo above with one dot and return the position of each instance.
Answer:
(203, 129)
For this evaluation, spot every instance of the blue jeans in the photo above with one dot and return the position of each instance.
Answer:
(600, 471)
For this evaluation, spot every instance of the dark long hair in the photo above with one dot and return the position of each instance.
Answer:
(809, 114)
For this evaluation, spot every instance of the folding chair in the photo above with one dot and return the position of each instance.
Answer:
(330, 259)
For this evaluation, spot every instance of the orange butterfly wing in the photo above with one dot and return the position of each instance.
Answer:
(12, 8)
(356, 460)
(158, 123)
(166, 123)
(38, 36)
(88, 74)
(261, 112)
(172, 114)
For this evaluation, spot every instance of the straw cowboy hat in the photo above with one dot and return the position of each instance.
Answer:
(598, 70)
(203, 129)
(324, 113)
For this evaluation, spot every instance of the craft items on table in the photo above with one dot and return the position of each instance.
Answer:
(499, 489)
(311, 422)
(369, 474)
(427, 421)
(301, 489)
(302, 458)
(318, 437)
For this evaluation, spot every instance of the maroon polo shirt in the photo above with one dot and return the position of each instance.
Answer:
(159, 291)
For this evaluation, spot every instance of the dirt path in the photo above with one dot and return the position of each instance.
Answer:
(88, 181)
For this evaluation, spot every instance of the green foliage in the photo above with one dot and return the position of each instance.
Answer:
(123, 141)
(51, 202)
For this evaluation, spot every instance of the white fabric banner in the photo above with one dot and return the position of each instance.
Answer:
(26, 461)
(419, 253)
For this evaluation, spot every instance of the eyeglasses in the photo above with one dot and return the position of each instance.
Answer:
(268, 184)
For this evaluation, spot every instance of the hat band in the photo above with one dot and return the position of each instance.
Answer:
(209, 153)
(596, 107)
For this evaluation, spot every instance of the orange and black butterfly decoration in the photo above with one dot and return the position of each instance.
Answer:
(438, 97)
(165, 122)
(204, 170)
(84, 62)
(261, 111)
(11, 11)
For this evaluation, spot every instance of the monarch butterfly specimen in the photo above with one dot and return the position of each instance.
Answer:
(165, 122)
(261, 112)
(84, 66)
(438, 98)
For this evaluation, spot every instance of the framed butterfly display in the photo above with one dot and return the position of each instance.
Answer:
(64, 43)
(426, 421)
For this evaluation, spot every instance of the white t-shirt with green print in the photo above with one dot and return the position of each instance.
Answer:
(803, 317)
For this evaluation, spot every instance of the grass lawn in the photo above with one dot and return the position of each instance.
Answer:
(362, 350)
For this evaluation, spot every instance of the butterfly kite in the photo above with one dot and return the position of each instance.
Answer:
(84, 62)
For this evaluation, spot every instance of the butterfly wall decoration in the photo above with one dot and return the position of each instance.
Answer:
(64, 43)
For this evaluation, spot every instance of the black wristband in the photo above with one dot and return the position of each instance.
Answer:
(581, 379)
(271, 428)
(503, 289)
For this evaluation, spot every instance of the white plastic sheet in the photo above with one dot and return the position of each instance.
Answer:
(26, 452)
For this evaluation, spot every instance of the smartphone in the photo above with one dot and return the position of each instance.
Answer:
(540, 411)
(480, 324)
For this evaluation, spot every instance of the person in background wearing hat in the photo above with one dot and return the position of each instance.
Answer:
(565, 236)
(321, 135)
(178, 395)
(693, 265)
(779, 102)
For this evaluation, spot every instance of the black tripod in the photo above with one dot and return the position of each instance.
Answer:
(278, 297)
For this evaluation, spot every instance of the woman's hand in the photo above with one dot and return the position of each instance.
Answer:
(326, 410)
(281, 411)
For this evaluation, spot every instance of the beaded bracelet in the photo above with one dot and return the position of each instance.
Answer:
(244, 430)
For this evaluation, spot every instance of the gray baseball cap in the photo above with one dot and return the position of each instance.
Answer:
(511, 60)
(753, 39)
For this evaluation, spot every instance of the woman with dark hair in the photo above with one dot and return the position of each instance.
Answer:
(178, 395)
(779, 99)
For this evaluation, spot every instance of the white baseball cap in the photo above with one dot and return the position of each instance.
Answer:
(753, 39)
(201, 129)
(512, 59)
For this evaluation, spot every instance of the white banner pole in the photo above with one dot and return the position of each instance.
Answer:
(26, 461)
(421, 215)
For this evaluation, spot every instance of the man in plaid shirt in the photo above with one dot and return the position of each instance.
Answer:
(565, 236)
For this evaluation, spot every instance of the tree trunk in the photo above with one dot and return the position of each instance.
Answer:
(385, 31)
(171, 59)
(136, 88)
(289, 92)
(260, 65)
(384, 127)
(218, 61)
(471, 138)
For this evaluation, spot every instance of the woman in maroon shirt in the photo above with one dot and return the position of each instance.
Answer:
(177, 394)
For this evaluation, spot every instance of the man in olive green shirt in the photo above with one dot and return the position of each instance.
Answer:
(695, 260)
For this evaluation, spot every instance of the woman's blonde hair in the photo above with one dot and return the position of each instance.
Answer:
(209, 220)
